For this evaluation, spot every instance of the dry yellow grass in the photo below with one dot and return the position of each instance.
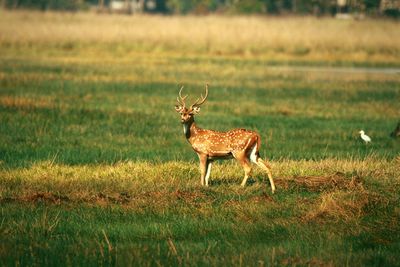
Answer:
(51, 181)
(25, 103)
(282, 38)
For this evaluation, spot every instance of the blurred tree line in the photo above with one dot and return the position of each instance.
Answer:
(275, 7)
(67, 5)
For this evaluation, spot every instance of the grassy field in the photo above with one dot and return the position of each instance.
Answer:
(94, 168)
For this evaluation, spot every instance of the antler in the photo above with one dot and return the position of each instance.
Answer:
(201, 100)
(180, 99)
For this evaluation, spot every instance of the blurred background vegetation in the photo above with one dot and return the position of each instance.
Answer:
(374, 8)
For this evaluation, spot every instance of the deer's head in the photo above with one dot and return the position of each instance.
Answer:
(187, 113)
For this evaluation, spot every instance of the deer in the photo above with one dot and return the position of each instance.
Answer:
(210, 145)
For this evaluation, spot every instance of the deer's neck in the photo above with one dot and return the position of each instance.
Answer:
(190, 129)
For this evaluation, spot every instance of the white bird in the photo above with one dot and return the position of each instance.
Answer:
(364, 137)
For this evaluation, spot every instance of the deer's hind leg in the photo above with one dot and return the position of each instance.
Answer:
(255, 158)
(245, 162)
(265, 166)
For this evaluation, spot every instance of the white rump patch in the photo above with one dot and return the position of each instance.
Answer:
(253, 156)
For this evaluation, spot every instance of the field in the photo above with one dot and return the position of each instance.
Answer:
(95, 170)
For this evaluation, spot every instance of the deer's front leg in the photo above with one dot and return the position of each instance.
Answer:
(203, 167)
(208, 172)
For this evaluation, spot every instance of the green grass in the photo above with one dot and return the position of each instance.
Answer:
(95, 170)
(77, 113)
(157, 214)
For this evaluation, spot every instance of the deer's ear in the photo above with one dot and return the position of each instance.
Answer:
(196, 109)
(178, 108)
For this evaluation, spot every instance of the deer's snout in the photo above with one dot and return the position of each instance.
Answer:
(185, 118)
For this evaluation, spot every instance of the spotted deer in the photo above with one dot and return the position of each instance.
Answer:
(241, 144)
